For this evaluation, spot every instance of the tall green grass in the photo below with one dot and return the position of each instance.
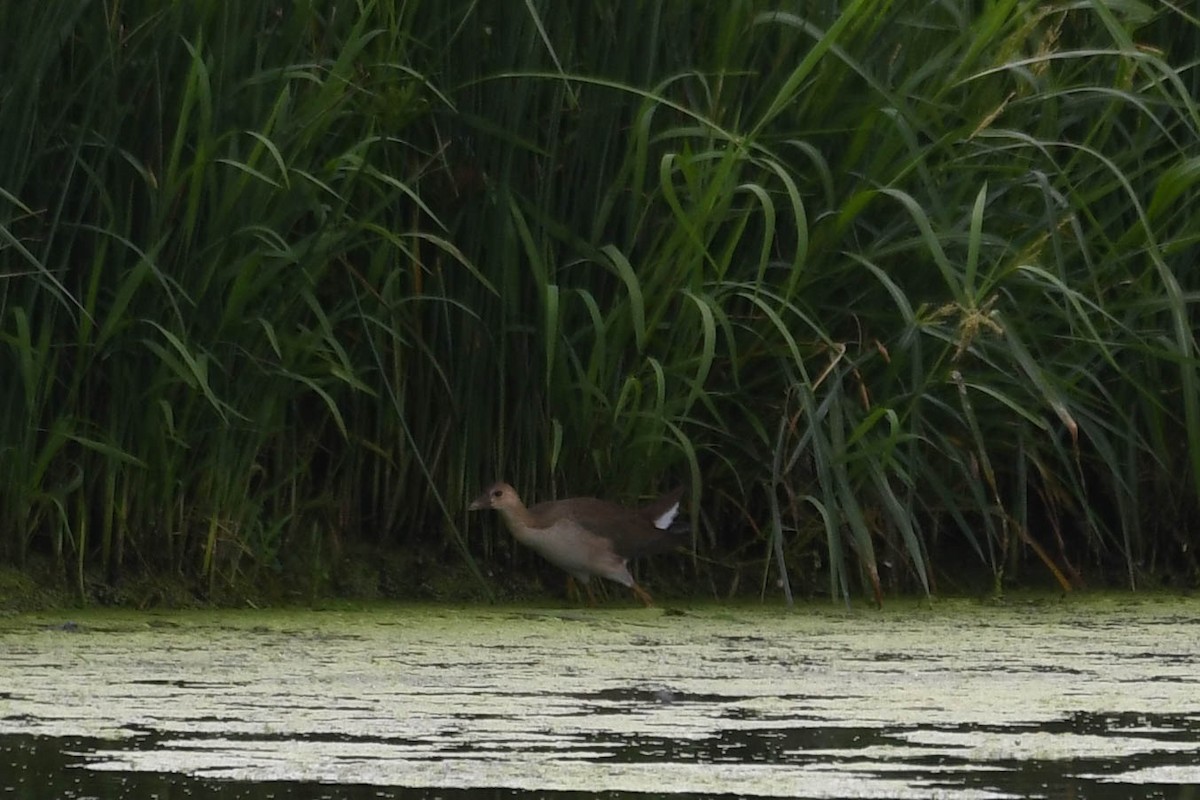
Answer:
(905, 293)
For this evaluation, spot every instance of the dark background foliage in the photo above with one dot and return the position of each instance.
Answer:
(904, 293)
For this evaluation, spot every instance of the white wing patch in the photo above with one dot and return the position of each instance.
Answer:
(664, 520)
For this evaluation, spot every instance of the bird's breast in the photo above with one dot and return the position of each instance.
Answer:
(567, 545)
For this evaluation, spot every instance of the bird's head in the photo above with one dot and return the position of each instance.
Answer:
(499, 496)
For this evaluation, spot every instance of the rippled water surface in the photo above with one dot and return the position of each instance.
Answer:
(1093, 698)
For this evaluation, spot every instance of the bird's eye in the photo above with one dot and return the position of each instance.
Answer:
(497, 493)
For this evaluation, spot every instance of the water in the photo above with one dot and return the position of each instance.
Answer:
(1099, 699)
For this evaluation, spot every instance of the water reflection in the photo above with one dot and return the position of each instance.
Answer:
(38, 767)
(480, 704)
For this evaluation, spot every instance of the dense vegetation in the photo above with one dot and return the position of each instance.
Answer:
(905, 293)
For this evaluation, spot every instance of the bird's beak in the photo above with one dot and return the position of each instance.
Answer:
(480, 503)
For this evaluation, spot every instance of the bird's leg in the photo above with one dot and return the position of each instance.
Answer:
(643, 595)
(573, 592)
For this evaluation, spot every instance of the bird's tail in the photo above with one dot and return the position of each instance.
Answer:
(664, 513)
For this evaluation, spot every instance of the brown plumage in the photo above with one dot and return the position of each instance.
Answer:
(586, 536)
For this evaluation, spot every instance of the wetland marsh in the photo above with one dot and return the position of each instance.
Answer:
(1095, 698)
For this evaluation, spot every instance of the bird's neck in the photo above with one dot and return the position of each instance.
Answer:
(518, 520)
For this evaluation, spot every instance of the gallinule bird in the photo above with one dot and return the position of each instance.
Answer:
(586, 536)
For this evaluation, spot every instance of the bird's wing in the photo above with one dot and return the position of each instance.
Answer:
(631, 532)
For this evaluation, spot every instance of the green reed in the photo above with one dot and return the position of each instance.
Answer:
(902, 292)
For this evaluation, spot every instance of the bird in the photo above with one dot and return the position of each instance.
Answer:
(586, 536)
